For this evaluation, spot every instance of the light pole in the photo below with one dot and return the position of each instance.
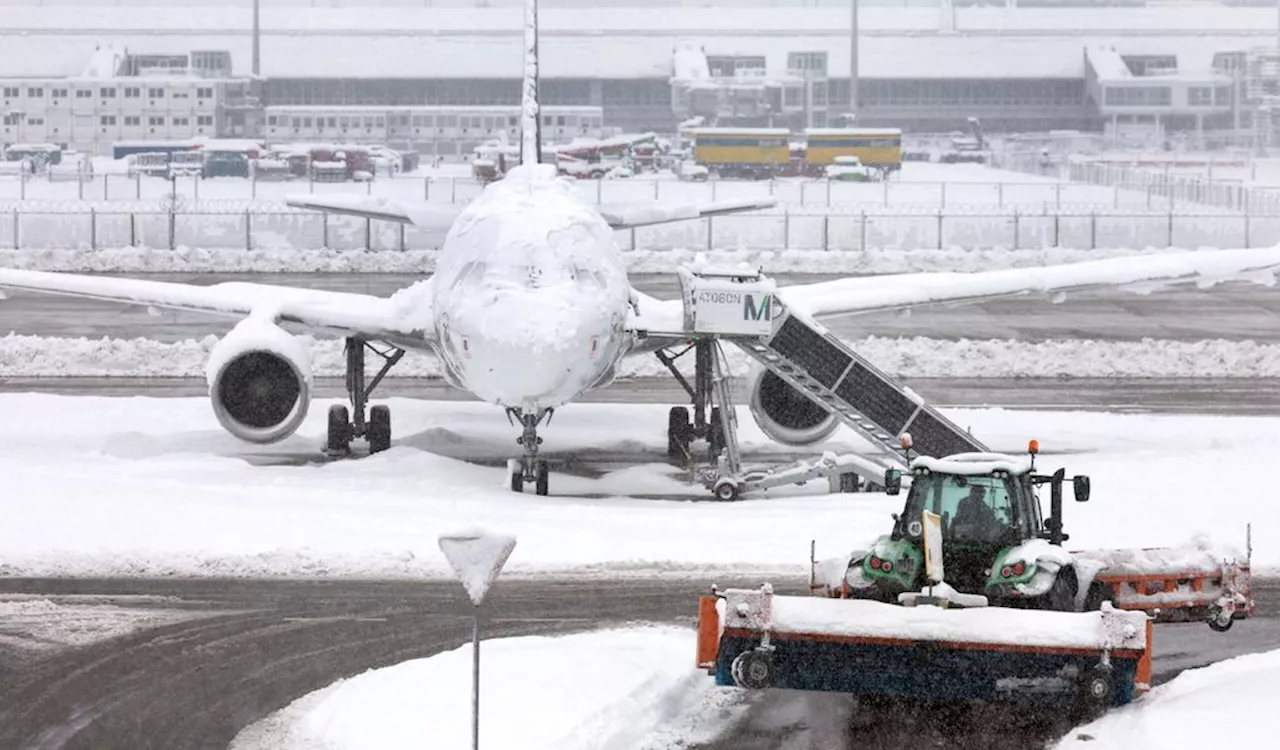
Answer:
(853, 59)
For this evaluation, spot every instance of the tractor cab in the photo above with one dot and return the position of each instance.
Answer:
(988, 506)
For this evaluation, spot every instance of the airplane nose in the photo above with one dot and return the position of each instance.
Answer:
(525, 353)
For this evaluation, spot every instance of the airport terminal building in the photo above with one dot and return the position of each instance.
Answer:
(441, 80)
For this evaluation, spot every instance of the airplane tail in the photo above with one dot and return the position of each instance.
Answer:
(530, 112)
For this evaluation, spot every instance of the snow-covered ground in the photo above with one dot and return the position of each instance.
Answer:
(139, 486)
(628, 688)
(918, 357)
(34, 623)
(1197, 709)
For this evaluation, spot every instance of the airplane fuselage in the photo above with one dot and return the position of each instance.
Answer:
(530, 294)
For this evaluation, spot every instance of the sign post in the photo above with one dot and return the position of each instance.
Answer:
(476, 557)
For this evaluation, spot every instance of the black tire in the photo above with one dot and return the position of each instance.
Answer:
(678, 433)
(1098, 593)
(752, 670)
(715, 433)
(542, 481)
(726, 491)
(338, 434)
(849, 482)
(1061, 596)
(517, 481)
(1097, 687)
(1216, 626)
(379, 431)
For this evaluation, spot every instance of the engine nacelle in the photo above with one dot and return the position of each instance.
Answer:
(785, 414)
(259, 381)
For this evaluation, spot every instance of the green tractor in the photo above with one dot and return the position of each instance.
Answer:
(995, 542)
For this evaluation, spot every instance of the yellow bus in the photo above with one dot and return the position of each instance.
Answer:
(742, 152)
(879, 148)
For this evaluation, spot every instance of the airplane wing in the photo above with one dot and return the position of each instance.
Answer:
(441, 215)
(1139, 273)
(403, 319)
(868, 294)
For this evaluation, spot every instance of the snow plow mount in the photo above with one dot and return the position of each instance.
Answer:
(752, 639)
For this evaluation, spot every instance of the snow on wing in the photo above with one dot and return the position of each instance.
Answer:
(876, 293)
(376, 317)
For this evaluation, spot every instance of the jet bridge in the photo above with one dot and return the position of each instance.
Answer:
(742, 308)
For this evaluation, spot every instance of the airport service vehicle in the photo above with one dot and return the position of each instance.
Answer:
(971, 597)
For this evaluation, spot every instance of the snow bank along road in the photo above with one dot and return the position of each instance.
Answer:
(256, 646)
(1232, 311)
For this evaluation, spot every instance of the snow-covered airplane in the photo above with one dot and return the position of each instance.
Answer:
(530, 307)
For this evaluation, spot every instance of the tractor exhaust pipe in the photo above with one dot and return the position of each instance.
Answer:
(1055, 507)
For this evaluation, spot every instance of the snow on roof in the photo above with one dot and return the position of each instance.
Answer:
(775, 132)
(1107, 63)
(690, 62)
(852, 131)
(631, 42)
(103, 62)
(973, 463)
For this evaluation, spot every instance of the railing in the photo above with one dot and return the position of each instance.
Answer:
(860, 231)
(1164, 186)
(98, 191)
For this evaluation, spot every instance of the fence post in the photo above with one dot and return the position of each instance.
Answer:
(786, 225)
(1057, 195)
(402, 247)
(368, 234)
(1116, 202)
(1247, 221)
(713, 191)
(1170, 229)
(711, 227)
(633, 230)
(1000, 194)
(862, 243)
(16, 234)
(324, 230)
(453, 189)
(1016, 228)
(80, 189)
(826, 231)
(944, 196)
(248, 230)
(106, 182)
(195, 187)
(133, 229)
(426, 188)
(1148, 197)
(173, 229)
(368, 186)
(1093, 231)
(93, 229)
(944, 192)
(137, 187)
(1057, 242)
(886, 193)
(828, 193)
(22, 182)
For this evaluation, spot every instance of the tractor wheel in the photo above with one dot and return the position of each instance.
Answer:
(1096, 689)
(1217, 622)
(1061, 596)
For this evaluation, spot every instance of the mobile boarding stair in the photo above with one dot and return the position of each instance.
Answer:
(742, 308)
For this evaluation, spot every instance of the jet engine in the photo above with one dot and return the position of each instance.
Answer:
(784, 413)
(259, 381)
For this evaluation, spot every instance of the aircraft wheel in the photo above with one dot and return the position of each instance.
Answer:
(849, 482)
(379, 433)
(517, 476)
(715, 433)
(543, 479)
(338, 434)
(678, 432)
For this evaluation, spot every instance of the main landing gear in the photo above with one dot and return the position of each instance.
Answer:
(706, 423)
(377, 429)
(529, 468)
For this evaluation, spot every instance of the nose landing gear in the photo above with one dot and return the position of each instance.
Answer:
(529, 468)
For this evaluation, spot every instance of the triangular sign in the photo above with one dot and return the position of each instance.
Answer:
(477, 557)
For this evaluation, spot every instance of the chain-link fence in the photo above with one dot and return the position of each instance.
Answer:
(838, 232)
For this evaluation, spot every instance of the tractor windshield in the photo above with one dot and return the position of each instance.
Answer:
(974, 509)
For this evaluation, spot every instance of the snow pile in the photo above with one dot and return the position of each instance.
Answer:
(918, 357)
(1196, 709)
(997, 625)
(226, 260)
(1199, 555)
(630, 688)
(202, 503)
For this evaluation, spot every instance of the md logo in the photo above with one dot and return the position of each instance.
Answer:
(762, 311)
